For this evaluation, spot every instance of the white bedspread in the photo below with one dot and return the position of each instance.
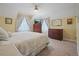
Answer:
(9, 50)
(28, 42)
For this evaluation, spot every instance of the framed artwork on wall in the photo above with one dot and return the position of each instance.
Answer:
(69, 21)
(57, 22)
(8, 20)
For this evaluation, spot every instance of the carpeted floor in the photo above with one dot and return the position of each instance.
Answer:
(59, 48)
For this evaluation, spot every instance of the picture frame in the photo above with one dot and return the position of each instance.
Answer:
(69, 21)
(57, 22)
(8, 20)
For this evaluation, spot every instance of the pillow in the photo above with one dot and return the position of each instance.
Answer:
(2, 38)
(3, 34)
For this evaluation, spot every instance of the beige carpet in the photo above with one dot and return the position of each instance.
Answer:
(59, 48)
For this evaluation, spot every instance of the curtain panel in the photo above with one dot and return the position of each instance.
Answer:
(19, 21)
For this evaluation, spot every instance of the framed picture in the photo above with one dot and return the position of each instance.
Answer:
(8, 20)
(69, 21)
(57, 22)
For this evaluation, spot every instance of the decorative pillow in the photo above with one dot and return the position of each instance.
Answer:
(3, 34)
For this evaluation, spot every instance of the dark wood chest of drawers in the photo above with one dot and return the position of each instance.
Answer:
(37, 27)
(56, 34)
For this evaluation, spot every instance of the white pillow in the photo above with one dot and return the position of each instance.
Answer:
(3, 34)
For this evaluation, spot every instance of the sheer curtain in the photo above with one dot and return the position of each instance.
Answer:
(47, 20)
(23, 23)
(18, 22)
(29, 22)
(24, 26)
(45, 25)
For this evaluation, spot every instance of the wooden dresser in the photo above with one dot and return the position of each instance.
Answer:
(37, 27)
(56, 34)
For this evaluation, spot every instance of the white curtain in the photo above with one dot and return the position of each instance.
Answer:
(24, 26)
(29, 22)
(47, 20)
(18, 22)
(44, 26)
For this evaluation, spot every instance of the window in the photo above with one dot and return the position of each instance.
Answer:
(24, 26)
(44, 27)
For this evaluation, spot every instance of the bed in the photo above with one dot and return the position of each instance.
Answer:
(28, 43)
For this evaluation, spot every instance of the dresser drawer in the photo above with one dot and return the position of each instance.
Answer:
(37, 27)
(56, 34)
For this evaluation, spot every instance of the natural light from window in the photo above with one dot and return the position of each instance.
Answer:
(24, 26)
(44, 27)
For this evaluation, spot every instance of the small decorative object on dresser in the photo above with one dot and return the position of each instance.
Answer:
(56, 34)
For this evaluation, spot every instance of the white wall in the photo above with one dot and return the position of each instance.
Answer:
(78, 35)
(77, 10)
(54, 10)
(77, 14)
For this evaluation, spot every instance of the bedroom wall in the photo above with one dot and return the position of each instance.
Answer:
(77, 26)
(53, 11)
(8, 27)
(77, 35)
(69, 30)
(11, 27)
